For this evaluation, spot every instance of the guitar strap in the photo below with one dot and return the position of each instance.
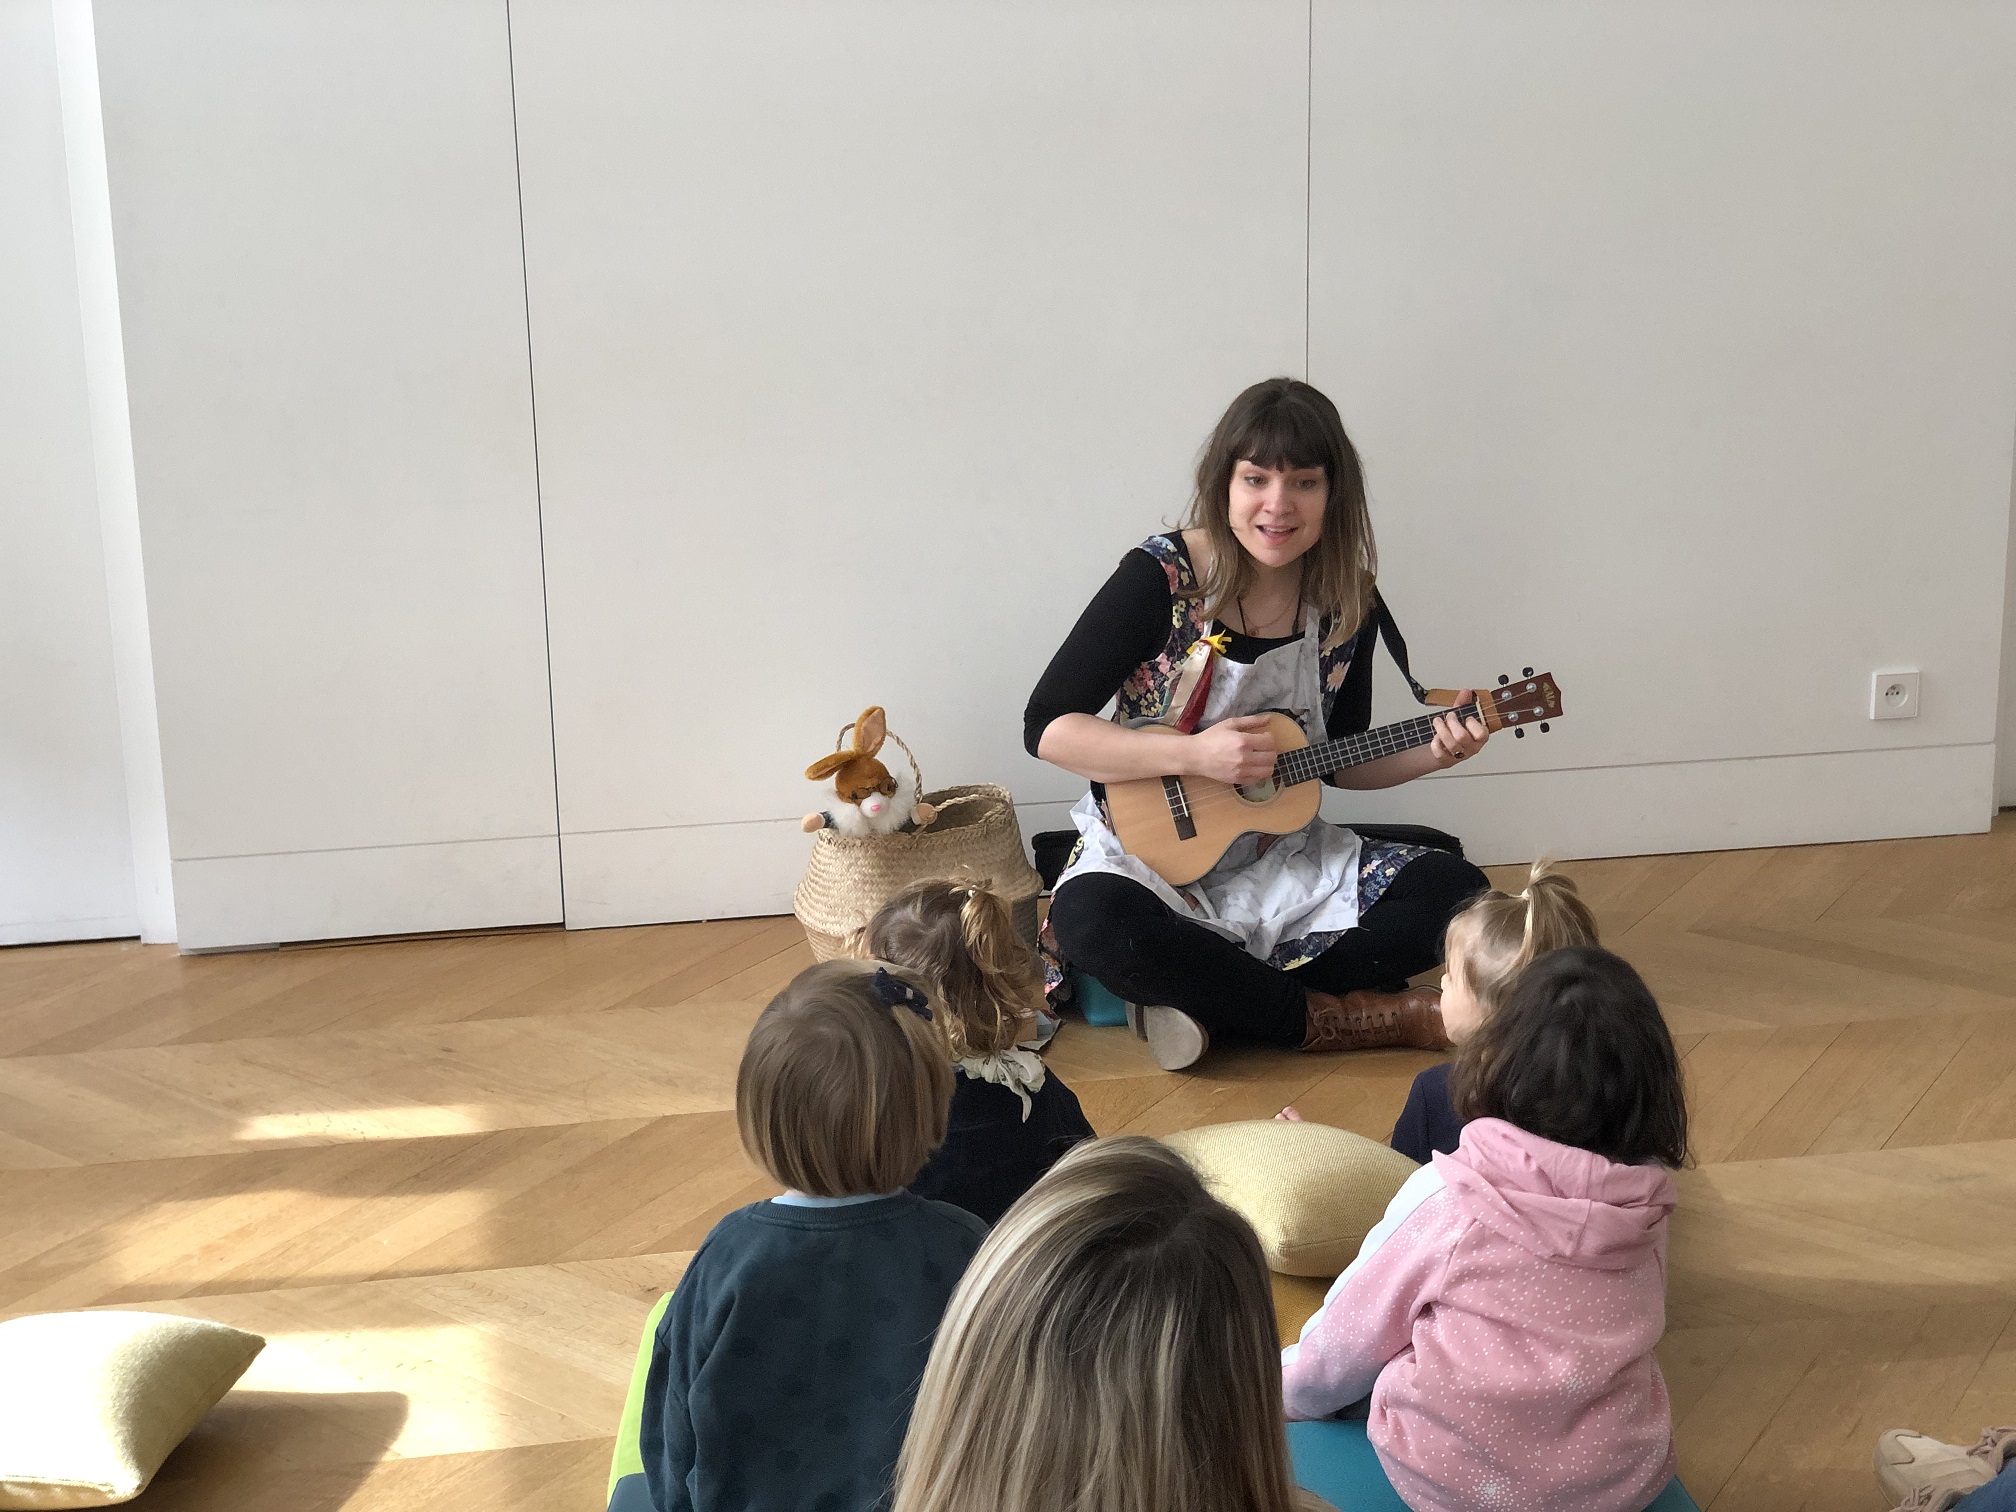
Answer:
(1396, 647)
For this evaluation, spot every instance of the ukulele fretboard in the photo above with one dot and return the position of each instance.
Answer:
(1312, 762)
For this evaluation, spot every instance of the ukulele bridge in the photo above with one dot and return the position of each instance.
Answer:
(1179, 808)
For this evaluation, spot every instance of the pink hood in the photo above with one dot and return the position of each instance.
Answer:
(1501, 1319)
(1555, 1201)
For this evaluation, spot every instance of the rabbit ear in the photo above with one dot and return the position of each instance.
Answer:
(869, 731)
(826, 766)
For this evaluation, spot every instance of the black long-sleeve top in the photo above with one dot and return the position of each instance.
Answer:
(992, 1154)
(1127, 623)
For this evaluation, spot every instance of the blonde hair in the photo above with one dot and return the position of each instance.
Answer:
(1499, 933)
(840, 1094)
(1112, 1348)
(961, 939)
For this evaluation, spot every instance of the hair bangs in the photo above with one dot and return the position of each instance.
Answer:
(1285, 436)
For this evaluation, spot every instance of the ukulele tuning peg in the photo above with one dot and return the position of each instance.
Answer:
(1526, 672)
(1545, 728)
(1503, 679)
(1518, 734)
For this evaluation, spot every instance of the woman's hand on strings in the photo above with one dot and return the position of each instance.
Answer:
(1234, 750)
(1458, 739)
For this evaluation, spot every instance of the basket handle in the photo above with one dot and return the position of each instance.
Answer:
(916, 772)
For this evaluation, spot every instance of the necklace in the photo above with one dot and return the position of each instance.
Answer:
(1295, 617)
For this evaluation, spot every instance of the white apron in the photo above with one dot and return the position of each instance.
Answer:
(1303, 883)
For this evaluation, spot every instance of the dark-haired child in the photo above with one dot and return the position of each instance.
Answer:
(1012, 1118)
(783, 1373)
(1502, 1316)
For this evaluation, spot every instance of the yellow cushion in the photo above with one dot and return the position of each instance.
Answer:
(1311, 1192)
(91, 1403)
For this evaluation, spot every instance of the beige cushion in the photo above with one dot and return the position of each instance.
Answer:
(1311, 1192)
(92, 1402)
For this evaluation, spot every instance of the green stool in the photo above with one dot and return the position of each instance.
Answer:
(627, 1491)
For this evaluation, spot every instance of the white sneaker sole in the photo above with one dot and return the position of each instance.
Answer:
(1176, 1040)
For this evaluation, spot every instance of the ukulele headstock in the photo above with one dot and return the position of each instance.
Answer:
(1532, 700)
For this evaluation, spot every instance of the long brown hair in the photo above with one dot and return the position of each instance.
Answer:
(1498, 933)
(1111, 1348)
(1283, 423)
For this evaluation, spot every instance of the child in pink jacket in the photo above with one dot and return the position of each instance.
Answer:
(1501, 1318)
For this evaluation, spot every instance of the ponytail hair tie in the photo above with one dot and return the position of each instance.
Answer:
(896, 993)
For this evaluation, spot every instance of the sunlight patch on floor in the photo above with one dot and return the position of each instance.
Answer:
(345, 1125)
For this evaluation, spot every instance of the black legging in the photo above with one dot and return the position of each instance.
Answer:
(1124, 936)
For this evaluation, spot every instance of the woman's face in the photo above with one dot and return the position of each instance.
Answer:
(1277, 515)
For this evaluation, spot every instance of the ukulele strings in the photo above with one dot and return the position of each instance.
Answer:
(1405, 736)
(1226, 793)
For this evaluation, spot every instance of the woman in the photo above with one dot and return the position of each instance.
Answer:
(1307, 940)
(1112, 1349)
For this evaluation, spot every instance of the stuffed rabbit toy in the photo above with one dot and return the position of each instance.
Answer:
(872, 802)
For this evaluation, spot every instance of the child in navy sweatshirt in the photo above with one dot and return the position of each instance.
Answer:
(783, 1373)
(1012, 1118)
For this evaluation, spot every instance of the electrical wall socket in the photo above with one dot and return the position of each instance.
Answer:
(1893, 695)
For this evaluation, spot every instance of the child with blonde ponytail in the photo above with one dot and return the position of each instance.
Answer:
(1486, 946)
(1011, 1118)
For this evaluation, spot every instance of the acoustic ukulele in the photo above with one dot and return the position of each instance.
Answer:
(1180, 826)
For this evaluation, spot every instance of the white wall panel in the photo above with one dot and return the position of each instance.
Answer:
(2005, 719)
(868, 337)
(1680, 341)
(66, 867)
(112, 457)
(230, 900)
(1519, 812)
(315, 209)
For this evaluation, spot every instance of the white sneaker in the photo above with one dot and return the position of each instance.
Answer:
(1176, 1040)
(1932, 1499)
(1919, 1471)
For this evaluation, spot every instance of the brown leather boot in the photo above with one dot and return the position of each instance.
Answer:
(1376, 1020)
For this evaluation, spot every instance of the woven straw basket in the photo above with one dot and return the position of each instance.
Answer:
(976, 834)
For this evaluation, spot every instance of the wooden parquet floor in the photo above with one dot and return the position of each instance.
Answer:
(447, 1177)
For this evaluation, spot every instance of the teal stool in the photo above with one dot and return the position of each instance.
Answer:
(1335, 1460)
(1101, 1008)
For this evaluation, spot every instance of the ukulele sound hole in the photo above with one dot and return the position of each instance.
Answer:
(1258, 792)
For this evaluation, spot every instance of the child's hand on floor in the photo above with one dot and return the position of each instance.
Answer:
(1288, 1115)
